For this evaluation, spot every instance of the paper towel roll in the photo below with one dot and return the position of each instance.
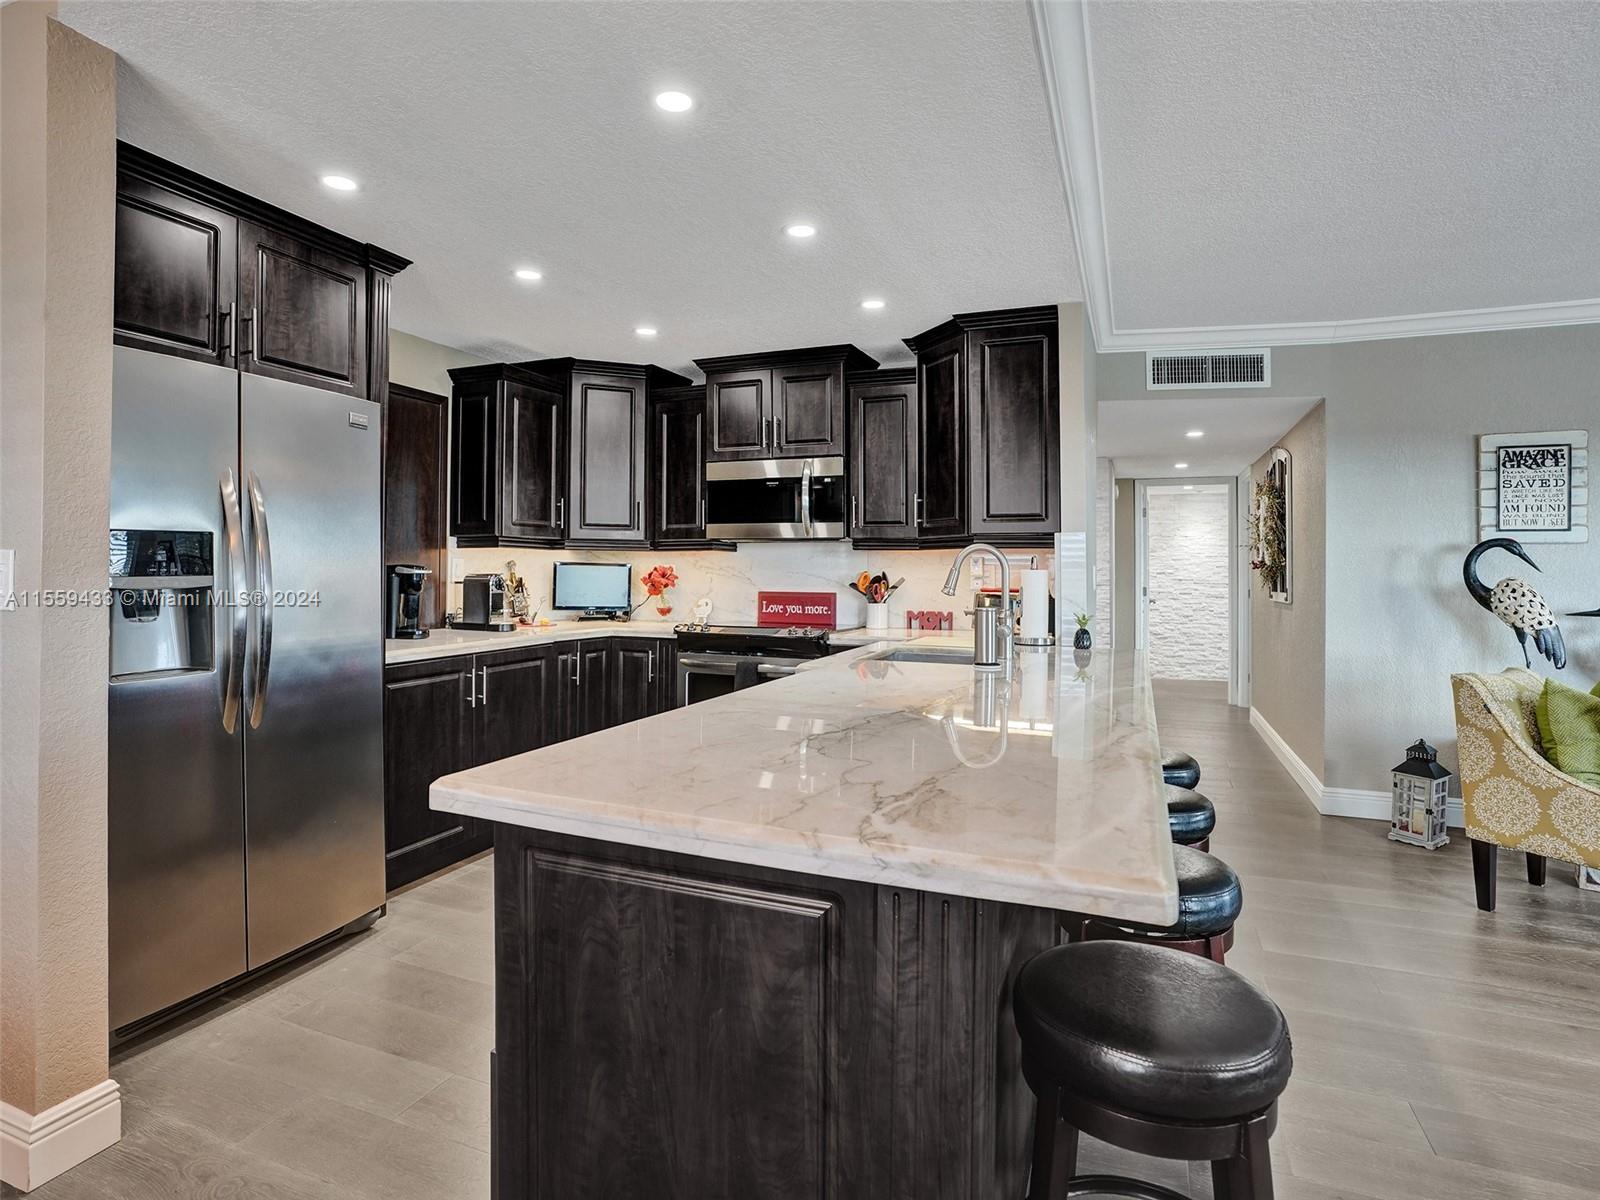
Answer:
(1035, 604)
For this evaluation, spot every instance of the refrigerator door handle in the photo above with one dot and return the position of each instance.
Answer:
(238, 613)
(263, 596)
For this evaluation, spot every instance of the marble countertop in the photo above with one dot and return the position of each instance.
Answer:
(447, 643)
(1044, 789)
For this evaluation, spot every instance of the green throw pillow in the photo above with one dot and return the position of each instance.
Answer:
(1569, 727)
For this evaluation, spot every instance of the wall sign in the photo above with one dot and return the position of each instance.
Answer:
(811, 609)
(1534, 486)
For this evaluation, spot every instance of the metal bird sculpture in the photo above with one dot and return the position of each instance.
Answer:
(1516, 603)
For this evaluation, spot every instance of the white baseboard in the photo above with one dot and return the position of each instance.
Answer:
(35, 1148)
(1331, 801)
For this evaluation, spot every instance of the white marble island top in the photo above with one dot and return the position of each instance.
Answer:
(1042, 790)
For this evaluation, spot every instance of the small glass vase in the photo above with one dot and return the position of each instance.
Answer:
(664, 605)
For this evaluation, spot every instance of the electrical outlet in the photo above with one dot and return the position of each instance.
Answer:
(457, 571)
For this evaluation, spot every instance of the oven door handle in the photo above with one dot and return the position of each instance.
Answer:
(805, 498)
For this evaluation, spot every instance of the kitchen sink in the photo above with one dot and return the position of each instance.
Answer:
(953, 656)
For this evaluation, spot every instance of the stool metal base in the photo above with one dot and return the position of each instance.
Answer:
(1121, 1187)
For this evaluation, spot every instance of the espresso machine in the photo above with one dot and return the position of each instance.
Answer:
(484, 604)
(406, 581)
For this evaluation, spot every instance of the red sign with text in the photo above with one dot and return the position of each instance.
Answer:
(816, 609)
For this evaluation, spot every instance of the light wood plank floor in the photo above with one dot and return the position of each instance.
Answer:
(1440, 1053)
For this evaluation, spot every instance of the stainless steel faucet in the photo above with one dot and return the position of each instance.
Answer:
(991, 627)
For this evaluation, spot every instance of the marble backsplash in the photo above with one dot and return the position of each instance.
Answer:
(731, 579)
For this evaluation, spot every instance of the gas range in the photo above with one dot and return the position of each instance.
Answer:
(792, 641)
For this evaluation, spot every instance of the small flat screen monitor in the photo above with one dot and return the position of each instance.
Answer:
(592, 587)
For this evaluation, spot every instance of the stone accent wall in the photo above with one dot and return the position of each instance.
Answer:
(1188, 629)
(1104, 498)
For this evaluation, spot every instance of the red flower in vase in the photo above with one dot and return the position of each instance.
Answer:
(658, 579)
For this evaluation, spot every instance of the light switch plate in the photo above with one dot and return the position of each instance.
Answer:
(456, 569)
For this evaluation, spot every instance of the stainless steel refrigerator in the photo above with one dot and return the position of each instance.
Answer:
(246, 754)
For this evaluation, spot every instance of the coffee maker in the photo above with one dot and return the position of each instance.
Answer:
(406, 581)
(483, 604)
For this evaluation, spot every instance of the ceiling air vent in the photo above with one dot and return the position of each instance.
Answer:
(1229, 369)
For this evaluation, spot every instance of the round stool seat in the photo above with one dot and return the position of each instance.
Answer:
(1151, 1031)
(1210, 898)
(1179, 769)
(1190, 816)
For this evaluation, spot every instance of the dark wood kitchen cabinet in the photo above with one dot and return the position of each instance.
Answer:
(676, 469)
(210, 273)
(428, 731)
(176, 273)
(584, 671)
(507, 457)
(303, 312)
(988, 458)
(883, 457)
(607, 405)
(641, 680)
(552, 452)
(782, 404)
(514, 707)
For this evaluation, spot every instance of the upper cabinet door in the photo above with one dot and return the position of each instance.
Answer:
(883, 459)
(940, 493)
(1014, 421)
(176, 274)
(808, 410)
(677, 448)
(739, 412)
(474, 461)
(533, 466)
(303, 315)
(607, 459)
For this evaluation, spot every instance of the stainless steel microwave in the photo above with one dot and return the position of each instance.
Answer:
(776, 499)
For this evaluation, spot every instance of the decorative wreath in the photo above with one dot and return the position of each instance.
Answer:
(1268, 528)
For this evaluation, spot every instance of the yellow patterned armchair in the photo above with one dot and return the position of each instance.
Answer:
(1512, 795)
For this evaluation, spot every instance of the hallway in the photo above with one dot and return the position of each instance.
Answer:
(1440, 1053)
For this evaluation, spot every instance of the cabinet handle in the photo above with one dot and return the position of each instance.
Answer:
(778, 440)
(483, 694)
(916, 508)
(250, 346)
(853, 512)
(225, 322)
(577, 669)
(561, 513)
(766, 433)
(651, 677)
(472, 691)
(702, 512)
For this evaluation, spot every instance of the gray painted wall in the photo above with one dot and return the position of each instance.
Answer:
(1402, 421)
(1287, 652)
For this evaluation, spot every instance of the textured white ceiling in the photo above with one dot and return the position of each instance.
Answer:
(1265, 164)
(487, 135)
(1146, 437)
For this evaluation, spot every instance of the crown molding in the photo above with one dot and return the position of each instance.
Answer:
(1473, 320)
(1061, 32)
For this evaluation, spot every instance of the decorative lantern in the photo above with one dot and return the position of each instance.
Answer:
(1421, 791)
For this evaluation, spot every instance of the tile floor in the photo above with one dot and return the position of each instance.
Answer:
(1441, 1053)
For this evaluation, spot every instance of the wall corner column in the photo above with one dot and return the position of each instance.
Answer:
(57, 237)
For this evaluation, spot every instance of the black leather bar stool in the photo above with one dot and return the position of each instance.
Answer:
(1179, 769)
(1191, 817)
(1210, 898)
(1160, 1053)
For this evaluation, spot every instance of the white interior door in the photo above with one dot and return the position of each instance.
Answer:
(1186, 594)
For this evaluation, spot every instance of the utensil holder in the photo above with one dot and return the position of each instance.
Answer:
(878, 615)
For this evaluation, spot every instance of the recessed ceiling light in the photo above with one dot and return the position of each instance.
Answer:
(801, 231)
(645, 331)
(528, 274)
(1188, 487)
(674, 102)
(1195, 433)
(339, 183)
(872, 305)
(1180, 466)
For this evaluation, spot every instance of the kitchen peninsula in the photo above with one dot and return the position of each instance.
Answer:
(763, 945)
